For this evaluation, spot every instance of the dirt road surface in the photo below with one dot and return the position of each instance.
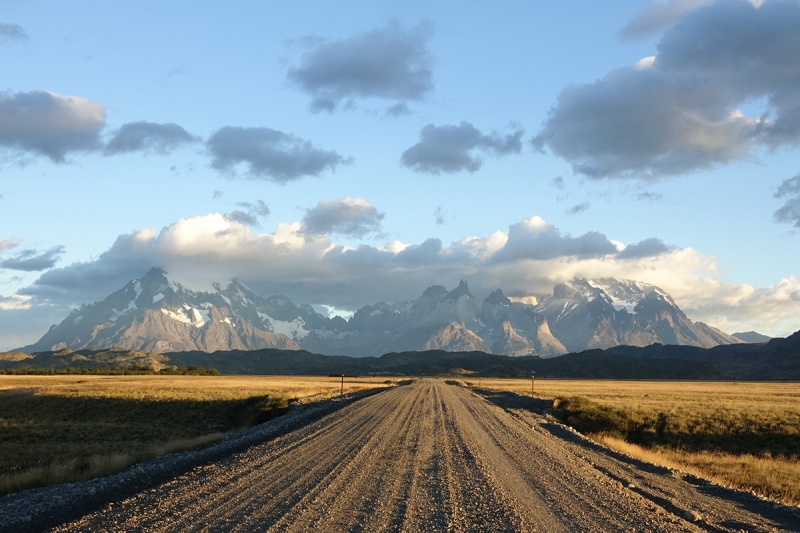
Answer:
(430, 457)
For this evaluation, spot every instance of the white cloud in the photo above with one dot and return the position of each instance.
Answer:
(528, 259)
(14, 301)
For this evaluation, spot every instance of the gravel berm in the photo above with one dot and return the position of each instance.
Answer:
(428, 457)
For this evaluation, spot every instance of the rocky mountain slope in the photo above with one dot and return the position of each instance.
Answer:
(158, 314)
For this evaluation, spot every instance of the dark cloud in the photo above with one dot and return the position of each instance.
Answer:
(790, 212)
(87, 281)
(452, 149)
(678, 111)
(48, 124)
(350, 216)
(534, 239)
(646, 248)
(148, 137)
(558, 182)
(390, 63)
(33, 260)
(12, 32)
(656, 17)
(269, 154)
(578, 208)
(255, 210)
(216, 195)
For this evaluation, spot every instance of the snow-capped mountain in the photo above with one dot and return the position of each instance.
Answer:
(158, 314)
(601, 313)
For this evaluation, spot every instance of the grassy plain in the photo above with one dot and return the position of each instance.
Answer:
(740, 434)
(56, 429)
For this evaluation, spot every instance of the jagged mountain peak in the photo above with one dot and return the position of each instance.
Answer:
(158, 313)
(458, 292)
(434, 291)
(497, 298)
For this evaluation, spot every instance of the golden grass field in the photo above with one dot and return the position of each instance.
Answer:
(742, 434)
(56, 429)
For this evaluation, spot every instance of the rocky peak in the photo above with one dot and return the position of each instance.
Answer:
(458, 292)
(497, 298)
(434, 291)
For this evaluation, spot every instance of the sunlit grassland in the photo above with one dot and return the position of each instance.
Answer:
(740, 434)
(56, 429)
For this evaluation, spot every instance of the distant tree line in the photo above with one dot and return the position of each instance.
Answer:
(111, 371)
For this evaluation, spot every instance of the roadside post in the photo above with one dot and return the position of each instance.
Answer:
(533, 377)
(341, 392)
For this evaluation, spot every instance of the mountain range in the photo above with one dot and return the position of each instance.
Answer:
(158, 314)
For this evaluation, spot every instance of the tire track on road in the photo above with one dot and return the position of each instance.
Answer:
(427, 457)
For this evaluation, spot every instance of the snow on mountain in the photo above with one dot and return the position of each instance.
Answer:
(159, 313)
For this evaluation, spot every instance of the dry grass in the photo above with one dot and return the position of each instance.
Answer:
(740, 434)
(55, 429)
(775, 477)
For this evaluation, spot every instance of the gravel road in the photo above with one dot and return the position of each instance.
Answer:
(433, 457)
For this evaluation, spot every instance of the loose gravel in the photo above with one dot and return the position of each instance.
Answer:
(426, 457)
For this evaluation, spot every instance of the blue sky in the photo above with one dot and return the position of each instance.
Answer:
(528, 143)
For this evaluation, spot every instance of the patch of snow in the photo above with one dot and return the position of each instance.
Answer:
(227, 319)
(189, 315)
(131, 307)
(293, 329)
(376, 312)
(265, 318)
(201, 316)
(158, 297)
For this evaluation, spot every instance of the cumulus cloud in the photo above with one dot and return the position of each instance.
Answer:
(45, 123)
(269, 154)
(254, 211)
(647, 248)
(351, 216)
(14, 301)
(578, 208)
(389, 63)
(148, 137)
(682, 112)
(656, 17)
(33, 260)
(533, 238)
(12, 32)
(529, 259)
(453, 149)
(790, 211)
